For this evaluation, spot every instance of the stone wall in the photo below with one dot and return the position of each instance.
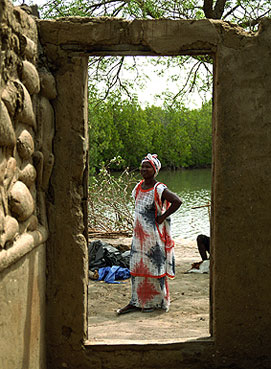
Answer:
(26, 160)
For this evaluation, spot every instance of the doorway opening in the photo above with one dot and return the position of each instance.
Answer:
(189, 314)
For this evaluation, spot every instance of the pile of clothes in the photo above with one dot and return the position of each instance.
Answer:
(107, 262)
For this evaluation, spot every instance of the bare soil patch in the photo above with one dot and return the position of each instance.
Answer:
(188, 317)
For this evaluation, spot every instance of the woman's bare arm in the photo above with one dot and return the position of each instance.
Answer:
(175, 202)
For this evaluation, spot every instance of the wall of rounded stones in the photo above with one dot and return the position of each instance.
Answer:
(26, 128)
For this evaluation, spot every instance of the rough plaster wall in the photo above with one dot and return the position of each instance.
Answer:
(26, 130)
(112, 36)
(65, 213)
(22, 306)
(242, 200)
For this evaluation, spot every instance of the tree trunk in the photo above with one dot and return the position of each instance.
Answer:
(216, 12)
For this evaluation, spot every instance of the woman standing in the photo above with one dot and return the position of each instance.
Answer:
(152, 253)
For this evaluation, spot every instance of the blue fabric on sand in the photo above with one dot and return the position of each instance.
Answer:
(112, 274)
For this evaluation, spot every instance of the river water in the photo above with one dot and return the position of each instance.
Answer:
(194, 188)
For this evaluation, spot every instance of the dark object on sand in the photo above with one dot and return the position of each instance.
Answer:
(102, 254)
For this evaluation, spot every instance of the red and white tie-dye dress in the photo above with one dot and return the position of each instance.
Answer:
(152, 250)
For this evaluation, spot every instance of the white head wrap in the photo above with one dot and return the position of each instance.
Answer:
(154, 161)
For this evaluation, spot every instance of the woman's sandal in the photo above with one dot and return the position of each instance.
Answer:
(147, 310)
(127, 309)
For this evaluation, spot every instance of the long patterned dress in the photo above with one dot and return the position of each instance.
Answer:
(152, 250)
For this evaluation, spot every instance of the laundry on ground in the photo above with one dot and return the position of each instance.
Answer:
(107, 262)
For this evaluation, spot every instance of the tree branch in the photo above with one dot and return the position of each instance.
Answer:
(230, 11)
(187, 81)
(253, 22)
(145, 8)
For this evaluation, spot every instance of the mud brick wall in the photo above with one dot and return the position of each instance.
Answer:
(26, 160)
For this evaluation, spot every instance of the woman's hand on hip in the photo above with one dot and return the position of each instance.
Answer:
(159, 219)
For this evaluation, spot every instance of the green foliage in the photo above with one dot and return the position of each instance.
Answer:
(245, 13)
(117, 128)
(181, 137)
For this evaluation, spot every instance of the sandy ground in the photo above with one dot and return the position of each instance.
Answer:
(188, 317)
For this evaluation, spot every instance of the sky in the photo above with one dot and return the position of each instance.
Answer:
(158, 84)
